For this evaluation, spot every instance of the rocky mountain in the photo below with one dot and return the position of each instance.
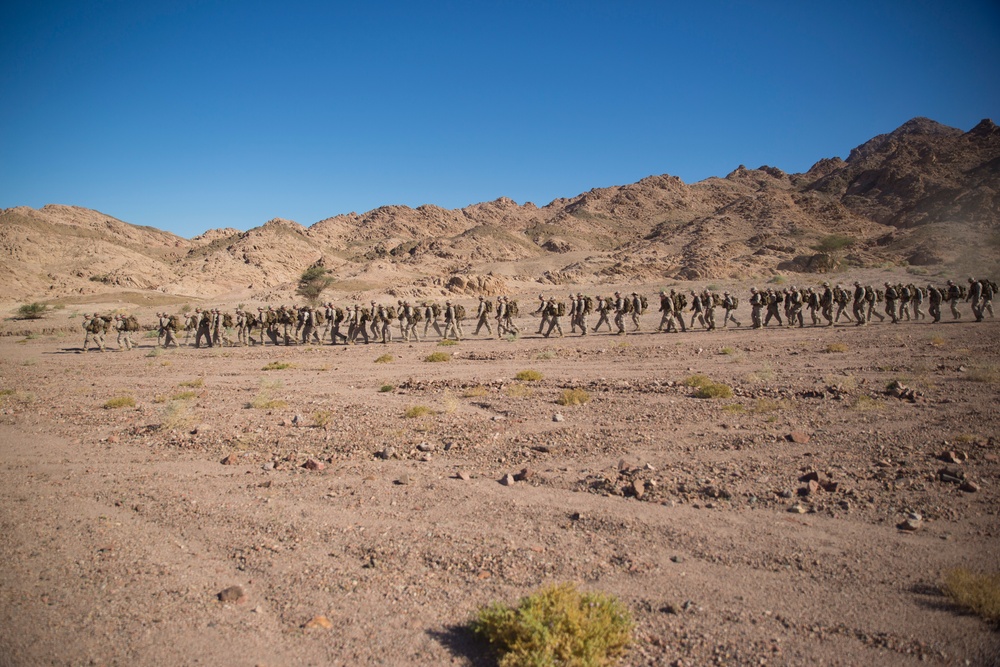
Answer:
(925, 195)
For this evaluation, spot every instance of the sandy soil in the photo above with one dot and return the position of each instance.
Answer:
(121, 527)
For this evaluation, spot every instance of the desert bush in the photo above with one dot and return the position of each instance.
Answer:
(777, 280)
(159, 398)
(697, 380)
(937, 341)
(979, 593)
(727, 350)
(436, 357)
(119, 402)
(836, 348)
(417, 411)
(277, 366)
(265, 400)
(31, 311)
(557, 625)
(573, 397)
(475, 392)
(714, 390)
(200, 382)
(184, 396)
(528, 376)
(734, 408)
(321, 418)
(385, 359)
(312, 282)
(155, 352)
(386, 388)
(176, 415)
(546, 355)
(989, 374)
(448, 342)
(517, 391)
(833, 242)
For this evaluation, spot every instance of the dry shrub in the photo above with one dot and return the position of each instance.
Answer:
(517, 391)
(321, 418)
(988, 374)
(865, 403)
(176, 415)
(265, 400)
(385, 359)
(119, 402)
(277, 366)
(417, 411)
(979, 593)
(528, 376)
(386, 388)
(836, 348)
(448, 342)
(708, 388)
(200, 382)
(436, 357)
(475, 392)
(573, 397)
(557, 625)
(184, 396)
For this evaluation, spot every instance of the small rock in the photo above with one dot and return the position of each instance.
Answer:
(462, 475)
(830, 487)
(313, 464)
(201, 429)
(524, 475)
(677, 559)
(638, 488)
(575, 516)
(231, 460)
(426, 456)
(285, 422)
(558, 417)
(267, 466)
(233, 594)
(969, 486)
(913, 522)
(112, 439)
(797, 509)
(387, 453)
(810, 477)
(508, 480)
(951, 475)
(799, 437)
(298, 420)
(786, 493)
(949, 457)
(403, 480)
(498, 418)
(321, 622)
(426, 447)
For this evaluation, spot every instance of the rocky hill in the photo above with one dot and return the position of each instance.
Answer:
(925, 195)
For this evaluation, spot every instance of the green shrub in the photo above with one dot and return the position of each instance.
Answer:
(31, 311)
(477, 391)
(979, 593)
(833, 242)
(697, 380)
(557, 625)
(435, 357)
(573, 397)
(714, 390)
(386, 388)
(528, 376)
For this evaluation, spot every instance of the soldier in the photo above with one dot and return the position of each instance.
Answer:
(553, 312)
(905, 297)
(121, 327)
(667, 308)
(170, 331)
(934, 298)
(841, 297)
(871, 298)
(697, 310)
(215, 323)
(273, 321)
(638, 308)
(891, 298)
(500, 313)
(989, 290)
(203, 328)
(953, 295)
(860, 303)
(975, 295)
(603, 306)
(161, 328)
(190, 325)
(729, 304)
(572, 312)
(584, 305)
(542, 310)
(757, 302)
(409, 316)
(621, 306)
(375, 323)
(680, 303)
(510, 311)
(773, 300)
(386, 315)
(451, 326)
(786, 295)
(483, 311)
(402, 320)
(94, 329)
(362, 316)
(916, 298)
(826, 304)
(432, 316)
(708, 303)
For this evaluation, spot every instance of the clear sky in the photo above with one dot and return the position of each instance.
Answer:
(189, 115)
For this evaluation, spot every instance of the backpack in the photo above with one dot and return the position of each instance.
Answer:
(320, 316)
(459, 312)
(736, 302)
(716, 300)
(489, 306)
(94, 326)
(131, 323)
(627, 306)
(107, 323)
(512, 308)
(588, 305)
(391, 312)
(227, 320)
(436, 310)
(418, 314)
(560, 309)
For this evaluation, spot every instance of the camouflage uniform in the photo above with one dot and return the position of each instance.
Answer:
(773, 300)
(708, 303)
(385, 320)
(729, 305)
(409, 316)
(483, 317)
(583, 306)
(203, 328)
(953, 295)
(451, 321)
(859, 304)
(603, 306)
(542, 310)
(934, 298)
(891, 298)
(94, 327)
(124, 339)
(637, 310)
(905, 297)
(975, 296)
(757, 302)
(697, 310)
(667, 308)
(552, 313)
(432, 317)
(826, 304)
(841, 297)
(871, 296)
(917, 298)
(988, 293)
(620, 308)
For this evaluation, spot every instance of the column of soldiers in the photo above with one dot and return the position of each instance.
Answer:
(348, 325)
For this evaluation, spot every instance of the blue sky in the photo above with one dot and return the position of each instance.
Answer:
(190, 115)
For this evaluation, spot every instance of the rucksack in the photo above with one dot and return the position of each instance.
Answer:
(512, 308)
(94, 326)
(418, 314)
(560, 309)
(391, 312)
(489, 306)
(716, 300)
(436, 310)
(459, 312)
(227, 320)
(736, 302)
(131, 323)
(588, 305)
(107, 322)
(627, 306)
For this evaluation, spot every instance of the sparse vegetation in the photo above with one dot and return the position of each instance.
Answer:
(989, 374)
(937, 341)
(865, 403)
(277, 366)
(836, 348)
(448, 342)
(727, 350)
(31, 311)
(155, 352)
(697, 381)
(979, 593)
(176, 415)
(123, 401)
(475, 392)
(833, 243)
(265, 400)
(557, 625)
(573, 397)
(714, 390)
(321, 418)
(528, 376)
(385, 359)
(436, 357)
(777, 280)
(312, 282)
(546, 355)
(200, 382)
(517, 391)
(386, 388)
(184, 396)
(417, 411)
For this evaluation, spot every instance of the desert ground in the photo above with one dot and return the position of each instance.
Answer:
(297, 516)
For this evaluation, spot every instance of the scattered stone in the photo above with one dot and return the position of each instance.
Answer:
(576, 516)
(231, 460)
(677, 559)
(799, 437)
(830, 487)
(298, 420)
(558, 417)
(403, 480)
(112, 439)
(426, 456)
(267, 466)
(811, 476)
(498, 418)
(969, 486)
(386, 453)
(912, 523)
(200, 429)
(462, 475)
(508, 480)
(285, 422)
(313, 464)
(524, 475)
(426, 447)
(638, 488)
(321, 622)
(797, 509)
(951, 475)
(952, 457)
(234, 594)
(786, 493)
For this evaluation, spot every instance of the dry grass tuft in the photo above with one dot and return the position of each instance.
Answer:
(200, 382)
(119, 402)
(277, 366)
(836, 348)
(517, 391)
(475, 392)
(417, 411)
(437, 357)
(184, 396)
(979, 593)
(385, 359)
(573, 397)
(528, 376)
